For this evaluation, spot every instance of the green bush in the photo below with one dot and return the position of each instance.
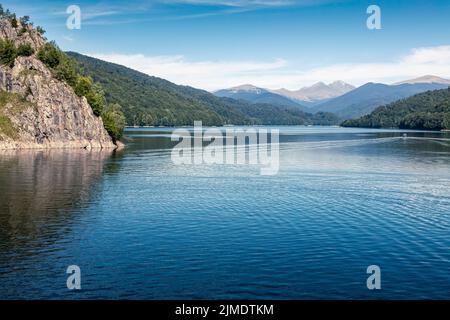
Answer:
(114, 121)
(93, 93)
(25, 20)
(96, 99)
(14, 22)
(8, 52)
(40, 30)
(83, 86)
(50, 55)
(66, 71)
(25, 50)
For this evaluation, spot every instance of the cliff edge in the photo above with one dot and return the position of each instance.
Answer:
(38, 111)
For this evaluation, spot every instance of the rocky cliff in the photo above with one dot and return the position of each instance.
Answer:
(37, 111)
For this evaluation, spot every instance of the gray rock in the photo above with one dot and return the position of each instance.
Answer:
(51, 115)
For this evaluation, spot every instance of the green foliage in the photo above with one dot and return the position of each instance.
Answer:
(5, 14)
(17, 104)
(25, 20)
(151, 101)
(425, 121)
(325, 119)
(50, 55)
(65, 68)
(7, 128)
(425, 111)
(8, 52)
(25, 50)
(14, 22)
(114, 121)
(40, 30)
(83, 86)
(96, 99)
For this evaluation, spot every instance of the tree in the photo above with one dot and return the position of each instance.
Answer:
(14, 22)
(83, 86)
(25, 20)
(66, 70)
(40, 30)
(96, 100)
(25, 50)
(114, 121)
(8, 52)
(50, 55)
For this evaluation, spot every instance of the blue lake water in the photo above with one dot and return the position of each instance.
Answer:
(141, 227)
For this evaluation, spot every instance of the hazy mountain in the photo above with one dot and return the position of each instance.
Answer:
(254, 94)
(425, 79)
(318, 92)
(366, 98)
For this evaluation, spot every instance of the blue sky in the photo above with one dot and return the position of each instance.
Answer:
(269, 43)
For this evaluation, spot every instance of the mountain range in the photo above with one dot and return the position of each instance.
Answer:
(338, 97)
(303, 98)
(368, 97)
(317, 93)
(254, 94)
(148, 100)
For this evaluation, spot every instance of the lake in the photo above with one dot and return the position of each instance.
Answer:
(141, 227)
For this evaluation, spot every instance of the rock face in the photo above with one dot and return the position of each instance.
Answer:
(38, 111)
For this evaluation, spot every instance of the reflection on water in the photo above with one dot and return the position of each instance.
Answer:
(41, 194)
(141, 227)
(35, 184)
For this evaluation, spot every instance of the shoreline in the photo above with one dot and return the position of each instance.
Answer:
(11, 146)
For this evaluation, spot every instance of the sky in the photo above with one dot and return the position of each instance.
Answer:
(268, 43)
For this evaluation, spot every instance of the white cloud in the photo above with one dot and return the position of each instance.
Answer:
(212, 75)
(203, 74)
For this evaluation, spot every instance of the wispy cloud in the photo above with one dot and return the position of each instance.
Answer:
(150, 18)
(212, 75)
(68, 38)
(253, 3)
(139, 11)
(201, 74)
(239, 3)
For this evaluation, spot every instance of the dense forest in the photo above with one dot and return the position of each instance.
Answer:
(424, 111)
(152, 101)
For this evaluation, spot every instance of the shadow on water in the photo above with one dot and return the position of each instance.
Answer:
(41, 193)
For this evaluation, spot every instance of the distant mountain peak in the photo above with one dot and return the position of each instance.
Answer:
(255, 94)
(425, 79)
(247, 87)
(318, 91)
(318, 84)
(341, 85)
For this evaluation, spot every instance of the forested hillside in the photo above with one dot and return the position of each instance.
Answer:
(152, 101)
(424, 111)
(368, 97)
